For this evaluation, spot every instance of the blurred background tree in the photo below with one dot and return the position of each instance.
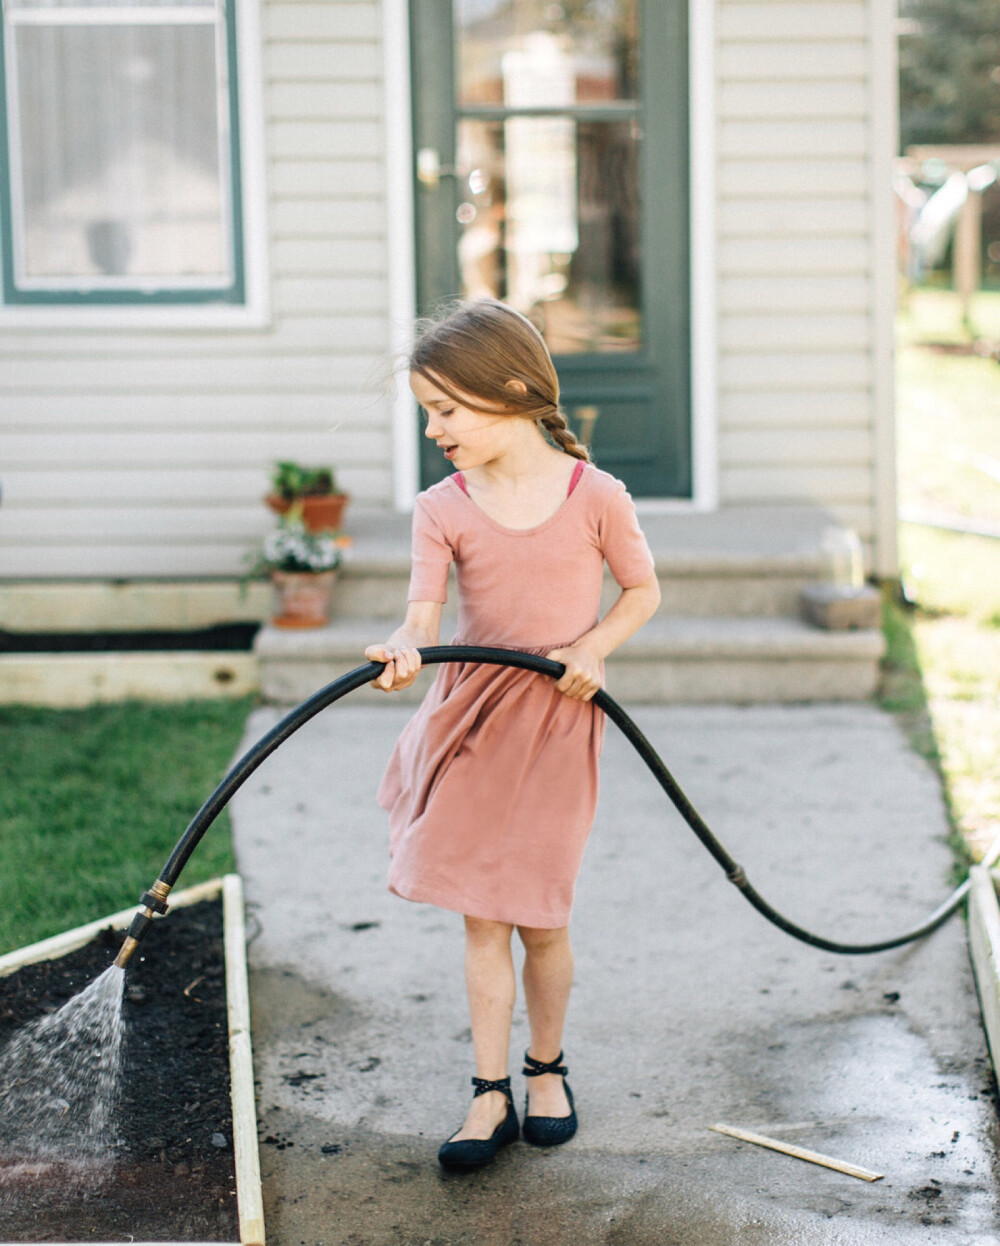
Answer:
(949, 71)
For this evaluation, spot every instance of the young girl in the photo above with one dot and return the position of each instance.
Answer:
(492, 785)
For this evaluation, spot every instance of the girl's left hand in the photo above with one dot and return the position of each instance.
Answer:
(582, 677)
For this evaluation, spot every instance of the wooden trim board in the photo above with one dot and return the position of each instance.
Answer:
(245, 1149)
(246, 1155)
(75, 680)
(984, 951)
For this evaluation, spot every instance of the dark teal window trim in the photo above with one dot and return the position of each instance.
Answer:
(232, 294)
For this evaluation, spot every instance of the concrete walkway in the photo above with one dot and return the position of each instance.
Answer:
(688, 1008)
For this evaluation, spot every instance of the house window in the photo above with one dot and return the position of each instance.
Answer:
(119, 156)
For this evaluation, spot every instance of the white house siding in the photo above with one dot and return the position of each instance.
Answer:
(803, 407)
(131, 454)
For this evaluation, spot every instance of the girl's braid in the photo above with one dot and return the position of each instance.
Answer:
(555, 425)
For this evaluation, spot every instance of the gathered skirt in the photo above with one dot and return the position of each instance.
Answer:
(491, 791)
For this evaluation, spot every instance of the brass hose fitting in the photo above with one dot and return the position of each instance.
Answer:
(152, 902)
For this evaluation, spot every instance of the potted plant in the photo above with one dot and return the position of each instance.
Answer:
(303, 566)
(315, 488)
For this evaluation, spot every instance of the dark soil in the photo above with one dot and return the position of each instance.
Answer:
(223, 636)
(171, 1175)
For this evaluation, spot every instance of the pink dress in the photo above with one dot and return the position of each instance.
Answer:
(492, 785)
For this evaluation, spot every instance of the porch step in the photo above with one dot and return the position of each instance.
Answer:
(740, 562)
(671, 660)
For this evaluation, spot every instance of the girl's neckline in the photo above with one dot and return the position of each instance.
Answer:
(574, 489)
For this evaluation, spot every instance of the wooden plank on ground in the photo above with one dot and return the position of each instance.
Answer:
(798, 1152)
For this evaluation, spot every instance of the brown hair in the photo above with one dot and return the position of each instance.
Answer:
(477, 347)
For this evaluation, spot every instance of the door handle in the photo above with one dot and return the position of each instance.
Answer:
(430, 170)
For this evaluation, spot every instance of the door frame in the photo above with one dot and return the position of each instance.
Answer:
(401, 258)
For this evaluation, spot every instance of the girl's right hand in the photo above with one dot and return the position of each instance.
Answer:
(401, 669)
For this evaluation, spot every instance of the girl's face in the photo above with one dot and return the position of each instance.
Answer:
(467, 438)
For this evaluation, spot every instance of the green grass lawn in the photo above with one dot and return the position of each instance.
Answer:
(943, 672)
(93, 800)
(948, 412)
(934, 315)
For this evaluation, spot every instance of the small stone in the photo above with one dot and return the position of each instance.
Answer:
(219, 1140)
(181, 1169)
(839, 607)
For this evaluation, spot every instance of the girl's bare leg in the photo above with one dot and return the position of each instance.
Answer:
(489, 980)
(548, 977)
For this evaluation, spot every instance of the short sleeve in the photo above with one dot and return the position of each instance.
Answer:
(431, 557)
(623, 543)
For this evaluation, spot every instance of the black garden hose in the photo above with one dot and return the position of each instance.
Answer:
(154, 900)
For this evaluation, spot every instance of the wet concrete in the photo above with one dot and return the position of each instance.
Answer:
(688, 1008)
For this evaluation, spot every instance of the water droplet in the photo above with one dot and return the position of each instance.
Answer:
(59, 1076)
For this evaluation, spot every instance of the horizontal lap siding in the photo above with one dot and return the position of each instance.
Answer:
(146, 453)
(796, 420)
(143, 453)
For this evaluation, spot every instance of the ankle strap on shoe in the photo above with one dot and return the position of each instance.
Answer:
(483, 1086)
(535, 1068)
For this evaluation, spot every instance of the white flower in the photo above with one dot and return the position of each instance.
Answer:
(291, 548)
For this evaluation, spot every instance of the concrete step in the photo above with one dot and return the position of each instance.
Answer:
(747, 588)
(741, 562)
(671, 660)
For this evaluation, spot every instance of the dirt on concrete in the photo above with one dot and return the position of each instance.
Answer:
(688, 1008)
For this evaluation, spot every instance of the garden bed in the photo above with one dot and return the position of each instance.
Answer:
(172, 1170)
(219, 637)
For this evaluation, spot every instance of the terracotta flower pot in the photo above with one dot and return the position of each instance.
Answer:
(322, 513)
(302, 598)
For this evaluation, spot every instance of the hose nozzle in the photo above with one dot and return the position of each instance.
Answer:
(151, 902)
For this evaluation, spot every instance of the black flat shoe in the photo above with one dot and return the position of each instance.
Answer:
(548, 1130)
(472, 1153)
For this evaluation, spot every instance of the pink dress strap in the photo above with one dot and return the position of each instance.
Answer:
(574, 479)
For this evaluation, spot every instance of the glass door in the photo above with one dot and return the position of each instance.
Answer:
(551, 172)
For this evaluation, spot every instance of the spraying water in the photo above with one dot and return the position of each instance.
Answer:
(59, 1077)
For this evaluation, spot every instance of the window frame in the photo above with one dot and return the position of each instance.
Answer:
(242, 304)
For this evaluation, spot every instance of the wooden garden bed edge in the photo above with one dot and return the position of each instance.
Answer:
(984, 952)
(249, 1198)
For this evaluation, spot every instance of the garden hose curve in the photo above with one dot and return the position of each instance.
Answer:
(154, 900)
